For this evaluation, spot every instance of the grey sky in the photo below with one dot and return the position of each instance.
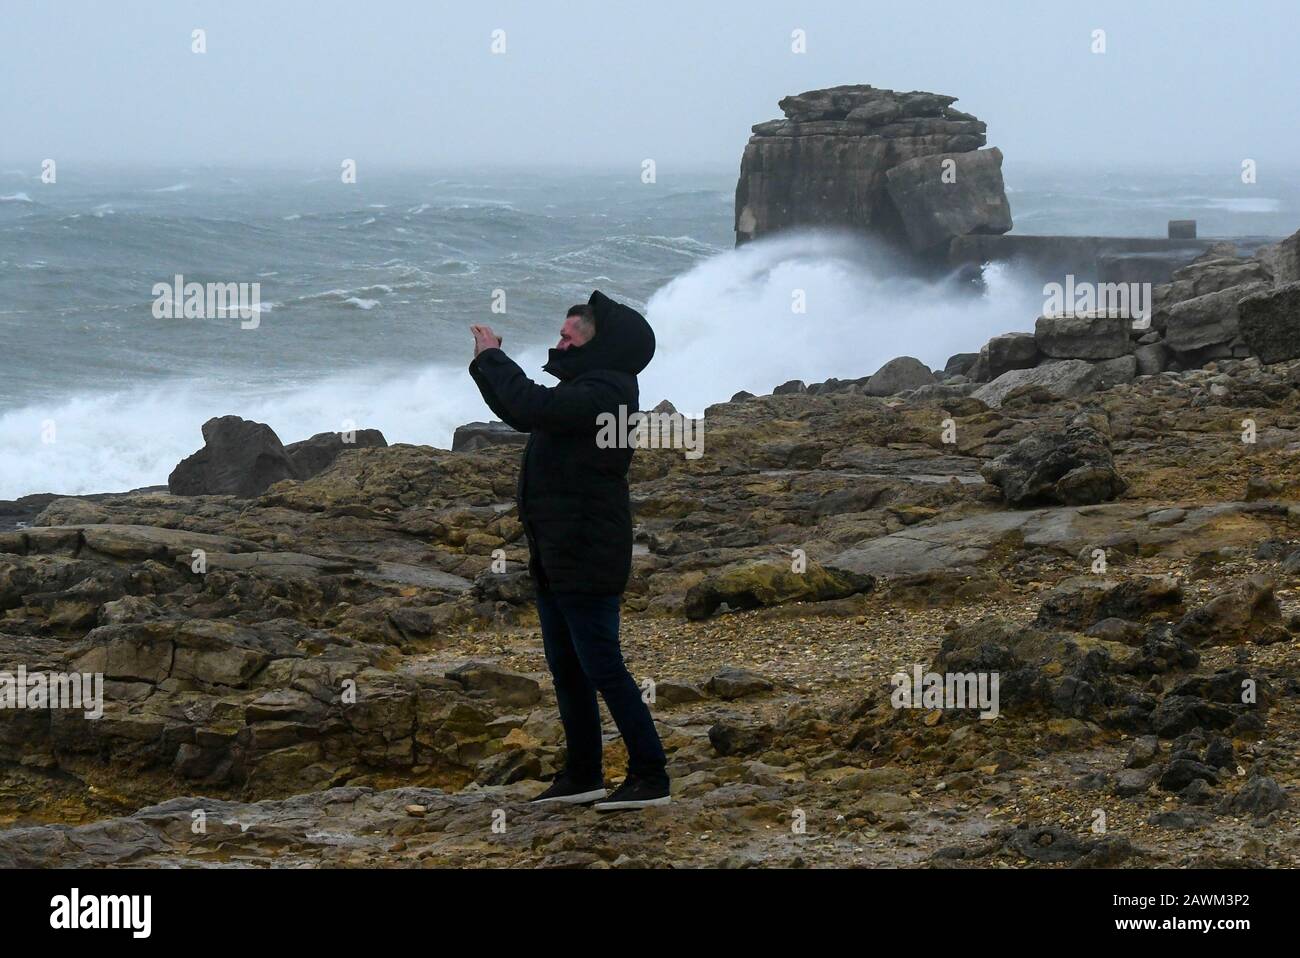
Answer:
(1188, 84)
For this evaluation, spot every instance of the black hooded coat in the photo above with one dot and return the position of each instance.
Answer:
(572, 494)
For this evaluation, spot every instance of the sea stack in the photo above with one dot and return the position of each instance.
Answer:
(905, 167)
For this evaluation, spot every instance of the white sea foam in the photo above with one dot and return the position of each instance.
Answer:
(726, 324)
(16, 198)
(119, 441)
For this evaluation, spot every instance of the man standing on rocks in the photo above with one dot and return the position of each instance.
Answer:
(574, 507)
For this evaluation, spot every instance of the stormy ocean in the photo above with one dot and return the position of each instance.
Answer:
(366, 291)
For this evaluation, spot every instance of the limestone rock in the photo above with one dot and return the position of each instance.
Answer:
(826, 164)
(1247, 613)
(1074, 467)
(1206, 320)
(1270, 323)
(1081, 601)
(898, 375)
(238, 458)
(1098, 335)
(1060, 380)
(315, 455)
(946, 195)
(1283, 260)
(766, 584)
(732, 683)
(1010, 351)
(478, 435)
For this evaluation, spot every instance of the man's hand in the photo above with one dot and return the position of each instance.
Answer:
(484, 338)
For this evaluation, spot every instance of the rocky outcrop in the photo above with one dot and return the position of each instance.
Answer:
(1073, 467)
(314, 455)
(479, 435)
(752, 586)
(238, 458)
(1270, 322)
(1093, 336)
(1206, 321)
(346, 669)
(1065, 379)
(871, 160)
(243, 458)
(898, 375)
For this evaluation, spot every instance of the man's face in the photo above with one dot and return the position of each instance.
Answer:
(574, 332)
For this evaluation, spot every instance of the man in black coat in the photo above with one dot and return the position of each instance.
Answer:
(574, 507)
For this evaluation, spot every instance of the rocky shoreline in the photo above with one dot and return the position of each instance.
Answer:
(325, 653)
(348, 681)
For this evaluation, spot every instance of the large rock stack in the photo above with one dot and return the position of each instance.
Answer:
(904, 166)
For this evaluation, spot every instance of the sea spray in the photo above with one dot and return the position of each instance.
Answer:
(732, 321)
(723, 325)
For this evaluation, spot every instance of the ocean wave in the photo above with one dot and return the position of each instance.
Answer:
(115, 441)
(1244, 204)
(16, 198)
(349, 295)
(174, 188)
(861, 311)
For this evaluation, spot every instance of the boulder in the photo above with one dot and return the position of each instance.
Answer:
(1270, 323)
(1206, 320)
(1010, 351)
(960, 364)
(899, 375)
(1152, 358)
(766, 584)
(732, 683)
(1259, 796)
(239, 458)
(499, 684)
(315, 455)
(1082, 601)
(1218, 269)
(1059, 380)
(790, 388)
(1248, 612)
(1096, 335)
(1283, 259)
(479, 435)
(1115, 372)
(947, 195)
(1073, 467)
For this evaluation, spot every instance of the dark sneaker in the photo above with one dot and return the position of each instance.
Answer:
(636, 793)
(569, 792)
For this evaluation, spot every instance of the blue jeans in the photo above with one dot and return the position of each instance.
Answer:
(580, 635)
